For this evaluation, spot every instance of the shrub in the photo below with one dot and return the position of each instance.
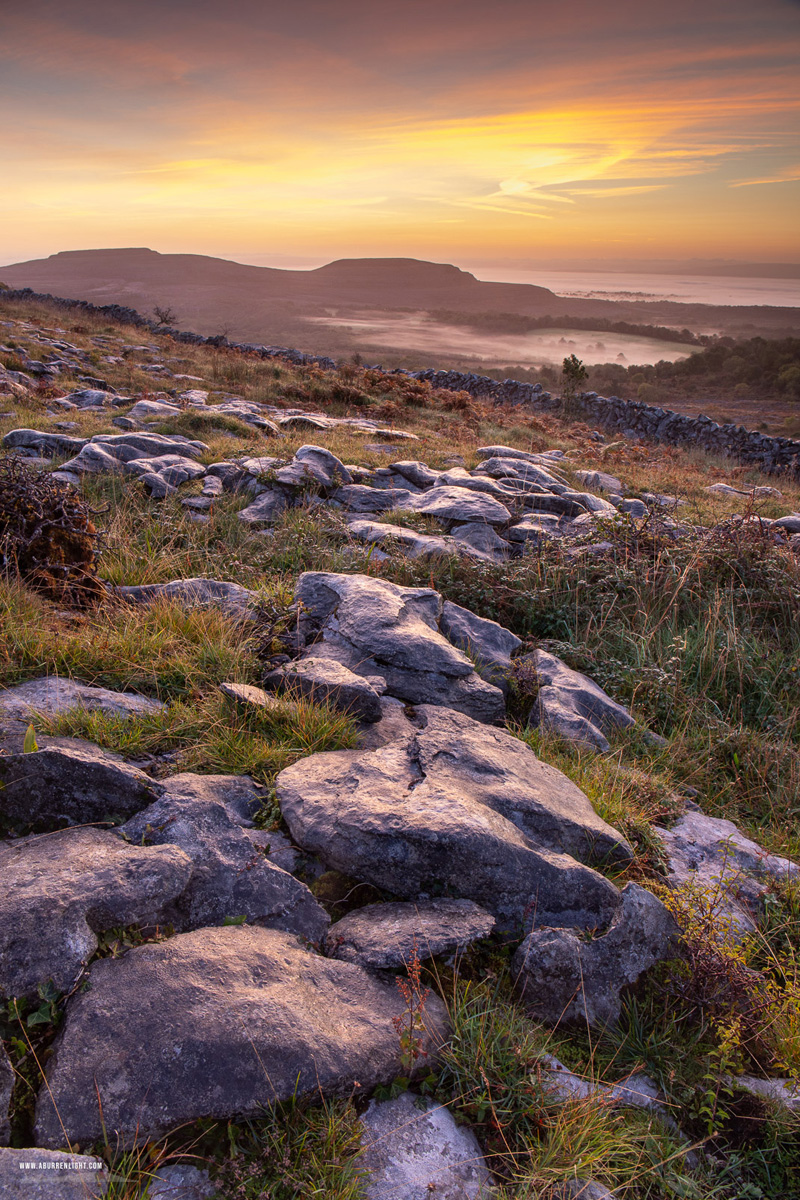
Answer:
(47, 535)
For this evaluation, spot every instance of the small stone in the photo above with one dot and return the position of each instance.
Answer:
(413, 1150)
(384, 935)
(251, 697)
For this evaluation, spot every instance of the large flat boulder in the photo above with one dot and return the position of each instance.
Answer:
(59, 890)
(216, 1023)
(70, 785)
(376, 627)
(231, 877)
(564, 979)
(456, 806)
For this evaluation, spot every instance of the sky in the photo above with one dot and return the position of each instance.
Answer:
(452, 130)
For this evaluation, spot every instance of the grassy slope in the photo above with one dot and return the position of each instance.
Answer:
(701, 639)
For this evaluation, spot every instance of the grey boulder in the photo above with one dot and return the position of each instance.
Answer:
(216, 1023)
(457, 806)
(59, 890)
(417, 473)
(328, 682)
(313, 466)
(265, 510)
(572, 705)
(47, 443)
(713, 854)
(409, 541)
(459, 504)
(72, 784)
(53, 695)
(358, 498)
(480, 541)
(231, 878)
(385, 935)
(600, 481)
(488, 644)
(193, 593)
(564, 980)
(413, 1149)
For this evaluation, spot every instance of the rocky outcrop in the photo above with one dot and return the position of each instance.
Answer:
(456, 806)
(378, 629)
(382, 936)
(212, 1024)
(563, 979)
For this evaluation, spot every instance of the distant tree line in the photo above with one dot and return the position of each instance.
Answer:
(760, 368)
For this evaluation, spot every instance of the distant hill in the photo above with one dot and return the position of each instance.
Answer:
(214, 295)
(390, 282)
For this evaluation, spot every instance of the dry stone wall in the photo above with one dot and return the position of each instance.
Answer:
(632, 418)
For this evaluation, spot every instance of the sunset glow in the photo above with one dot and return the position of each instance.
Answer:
(452, 130)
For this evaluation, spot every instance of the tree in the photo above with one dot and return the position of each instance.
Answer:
(165, 316)
(573, 374)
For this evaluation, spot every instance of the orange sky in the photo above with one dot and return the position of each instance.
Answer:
(454, 130)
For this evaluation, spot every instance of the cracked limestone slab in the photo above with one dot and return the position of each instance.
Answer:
(459, 807)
